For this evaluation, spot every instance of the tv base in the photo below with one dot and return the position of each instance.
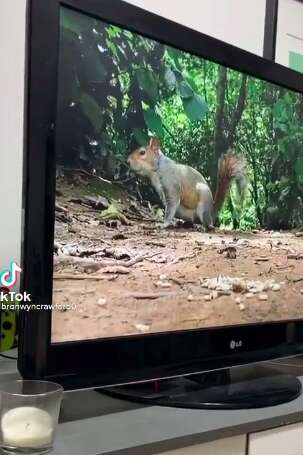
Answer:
(215, 390)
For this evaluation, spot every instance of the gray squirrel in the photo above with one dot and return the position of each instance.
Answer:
(182, 189)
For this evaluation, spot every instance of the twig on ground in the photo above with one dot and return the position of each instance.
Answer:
(154, 243)
(79, 276)
(186, 256)
(88, 174)
(151, 295)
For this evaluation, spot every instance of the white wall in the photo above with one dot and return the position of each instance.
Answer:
(238, 22)
(289, 30)
(12, 61)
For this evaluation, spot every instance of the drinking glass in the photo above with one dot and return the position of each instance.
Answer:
(29, 416)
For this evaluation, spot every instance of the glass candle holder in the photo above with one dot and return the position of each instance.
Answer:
(29, 416)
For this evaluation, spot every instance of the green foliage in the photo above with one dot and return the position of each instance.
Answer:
(195, 107)
(116, 89)
(154, 122)
(148, 83)
(299, 169)
(140, 136)
(92, 111)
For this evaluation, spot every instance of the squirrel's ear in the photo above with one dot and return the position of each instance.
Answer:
(154, 144)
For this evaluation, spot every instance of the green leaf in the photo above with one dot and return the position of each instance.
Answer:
(148, 83)
(121, 145)
(154, 122)
(112, 47)
(299, 168)
(192, 83)
(185, 90)
(92, 111)
(170, 78)
(175, 55)
(195, 107)
(128, 34)
(113, 31)
(140, 136)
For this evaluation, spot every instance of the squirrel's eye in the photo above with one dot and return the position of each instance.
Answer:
(142, 152)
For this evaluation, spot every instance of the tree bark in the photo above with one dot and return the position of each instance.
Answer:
(237, 113)
(219, 136)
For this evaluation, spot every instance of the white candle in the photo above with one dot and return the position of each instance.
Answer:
(27, 426)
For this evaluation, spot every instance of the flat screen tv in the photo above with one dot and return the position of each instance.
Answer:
(163, 199)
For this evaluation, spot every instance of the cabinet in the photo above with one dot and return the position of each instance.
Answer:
(280, 441)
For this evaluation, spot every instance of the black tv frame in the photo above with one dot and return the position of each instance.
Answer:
(140, 357)
(270, 29)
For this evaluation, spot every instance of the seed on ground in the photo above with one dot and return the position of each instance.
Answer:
(263, 297)
(276, 287)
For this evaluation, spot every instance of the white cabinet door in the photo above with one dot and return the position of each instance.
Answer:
(289, 46)
(286, 440)
(229, 446)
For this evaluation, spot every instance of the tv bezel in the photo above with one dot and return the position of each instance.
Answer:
(133, 358)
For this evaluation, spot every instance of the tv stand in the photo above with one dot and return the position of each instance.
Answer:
(246, 388)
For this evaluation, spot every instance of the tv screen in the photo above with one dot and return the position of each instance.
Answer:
(179, 190)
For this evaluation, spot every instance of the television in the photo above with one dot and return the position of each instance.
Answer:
(163, 200)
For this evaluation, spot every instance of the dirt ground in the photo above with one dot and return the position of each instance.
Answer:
(128, 276)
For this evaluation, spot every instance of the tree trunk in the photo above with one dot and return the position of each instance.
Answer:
(219, 137)
(237, 113)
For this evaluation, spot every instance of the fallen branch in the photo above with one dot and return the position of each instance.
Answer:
(138, 259)
(295, 279)
(295, 256)
(151, 295)
(182, 282)
(95, 239)
(60, 208)
(116, 269)
(79, 276)
(186, 256)
(88, 174)
(117, 253)
(154, 243)
(86, 264)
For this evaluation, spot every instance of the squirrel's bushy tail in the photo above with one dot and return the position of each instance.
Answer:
(231, 168)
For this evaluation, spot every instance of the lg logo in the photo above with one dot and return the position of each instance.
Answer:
(235, 344)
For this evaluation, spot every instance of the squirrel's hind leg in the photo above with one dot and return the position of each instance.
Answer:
(205, 207)
(205, 215)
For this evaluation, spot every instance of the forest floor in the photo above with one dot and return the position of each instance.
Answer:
(126, 275)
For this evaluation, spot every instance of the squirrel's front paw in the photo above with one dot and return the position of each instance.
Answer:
(167, 224)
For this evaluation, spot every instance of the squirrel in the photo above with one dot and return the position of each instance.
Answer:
(182, 189)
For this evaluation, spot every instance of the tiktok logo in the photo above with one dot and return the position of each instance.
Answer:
(9, 277)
